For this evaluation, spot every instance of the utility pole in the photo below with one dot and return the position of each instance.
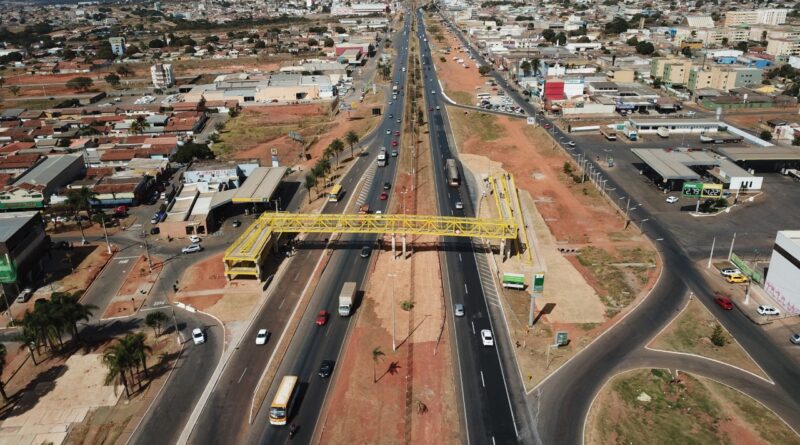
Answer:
(147, 252)
(711, 255)
(394, 338)
(105, 232)
(730, 252)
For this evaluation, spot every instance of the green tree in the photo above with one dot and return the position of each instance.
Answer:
(548, 34)
(190, 151)
(525, 66)
(137, 347)
(71, 312)
(742, 46)
(686, 51)
(156, 320)
(124, 71)
(156, 43)
(484, 70)
(632, 41)
(139, 126)
(377, 355)
(14, 89)
(645, 48)
(352, 139)
(724, 41)
(81, 83)
(718, 336)
(310, 182)
(112, 79)
(766, 135)
(337, 146)
(536, 66)
(616, 26)
(117, 361)
(328, 42)
(2, 367)
(77, 200)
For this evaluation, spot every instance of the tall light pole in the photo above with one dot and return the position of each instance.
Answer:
(105, 232)
(394, 338)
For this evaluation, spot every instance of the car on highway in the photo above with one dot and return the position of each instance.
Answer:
(384, 196)
(326, 368)
(398, 121)
(795, 338)
(261, 336)
(433, 92)
(322, 318)
(546, 126)
(397, 133)
(387, 185)
(194, 239)
(192, 248)
(236, 223)
(394, 143)
(730, 271)
(736, 278)
(672, 199)
(486, 337)
(571, 143)
(394, 153)
(459, 310)
(198, 336)
(459, 205)
(724, 303)
(391, 115)
(438, 108)
(767, 310)
(366, 251)
(388, 131)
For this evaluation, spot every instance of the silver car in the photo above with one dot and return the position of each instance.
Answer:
(459, 310)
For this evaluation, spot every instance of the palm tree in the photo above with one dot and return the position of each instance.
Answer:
(138, 350)
(77, 200)
(536, 66)
(2, 366)
(352, 138)
(377, 355)
(525, 66)
(28, 339)
(139, 126)
(117, 361)
(337, 146)
(72, 312)
(155, 320)
(311, 181)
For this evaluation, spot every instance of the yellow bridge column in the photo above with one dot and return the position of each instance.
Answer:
(404, 246)
(394, 253)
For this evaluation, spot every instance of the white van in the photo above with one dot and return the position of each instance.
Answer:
(24, 296)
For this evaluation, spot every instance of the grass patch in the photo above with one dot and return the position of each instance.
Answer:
(618, 291)
(689, 411)
(460, 97)
(249, 129)
(691, 333)
(471, 123)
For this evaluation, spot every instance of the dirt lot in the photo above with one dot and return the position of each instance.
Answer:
(644, 406)
(459, 83)
(756, 120)
(691, 332)
(609, 268)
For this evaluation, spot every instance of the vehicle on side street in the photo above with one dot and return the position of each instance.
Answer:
(737, 278)
(24, 296)
(459, 205)
(194, 239)
(459, 310)
(283, 400)
(236, 223)
(795, 338)
(767, 310)
(387, 185)
(192, 249)
(322, 318)
(486, 337)
(724, 303)
(261, 336)
(672, 199)
(346, 297)
(730, 271)
(326, 369)
(198, 336)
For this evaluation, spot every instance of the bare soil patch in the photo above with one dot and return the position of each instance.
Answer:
(459, 83)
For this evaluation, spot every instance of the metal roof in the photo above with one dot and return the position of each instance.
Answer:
(11, 223)
(48, 170)
(773, 153)
(260, 185)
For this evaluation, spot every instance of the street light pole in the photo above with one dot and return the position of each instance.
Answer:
(394, 338)
(105, 232)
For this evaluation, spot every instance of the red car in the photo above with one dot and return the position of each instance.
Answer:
(546, 126)
(397, 133)
(384, 196)
(394, 143)
(724, 303)
(322, 318)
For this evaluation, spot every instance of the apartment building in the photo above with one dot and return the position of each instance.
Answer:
(763, 16)
(117, 46)
(723, 78)
(783, 47)
(671, 70)
(162, 75)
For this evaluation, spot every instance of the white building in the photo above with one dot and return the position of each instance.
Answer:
(117, 46)
(782, 281)
(762, 16)
(162, 75)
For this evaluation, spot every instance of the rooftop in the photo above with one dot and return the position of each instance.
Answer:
(11, 223)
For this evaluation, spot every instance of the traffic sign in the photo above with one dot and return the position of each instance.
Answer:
(531, 120)
(538, 282)
(562, 338)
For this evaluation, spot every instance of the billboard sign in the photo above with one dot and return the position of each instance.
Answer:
(712, 190)
(538, 283)
(692, 189)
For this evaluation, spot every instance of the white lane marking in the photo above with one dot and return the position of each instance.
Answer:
(483, 382)
(242, 376)
(122, 261)
(473, 326)
(466, 291)
(295, 277)
(282, 301)
(459, 258)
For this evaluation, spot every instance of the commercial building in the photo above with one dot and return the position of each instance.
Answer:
(671, 70)
(784, 269)
(671, 167)
(264, 88)
(23, 245)
(763, 16)
(34, 187)
(117, 46)
(162, 75)
(723, 77)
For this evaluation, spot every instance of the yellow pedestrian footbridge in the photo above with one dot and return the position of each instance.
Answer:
(247, 254)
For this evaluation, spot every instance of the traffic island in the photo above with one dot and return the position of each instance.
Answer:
(133, 292)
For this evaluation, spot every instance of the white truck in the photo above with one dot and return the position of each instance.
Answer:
(346, 297)
(382, 157)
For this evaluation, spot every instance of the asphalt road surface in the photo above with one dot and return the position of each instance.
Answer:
(488, 410)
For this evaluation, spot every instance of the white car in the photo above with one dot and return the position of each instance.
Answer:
(194, 239)
(730, 271)
(198, 336)
(459, 205)
(571, 143)
(795, 338)
(486, 337)
(672, 199)
(261, 337)
(388, 131)
(192, 248)
(767, 310)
